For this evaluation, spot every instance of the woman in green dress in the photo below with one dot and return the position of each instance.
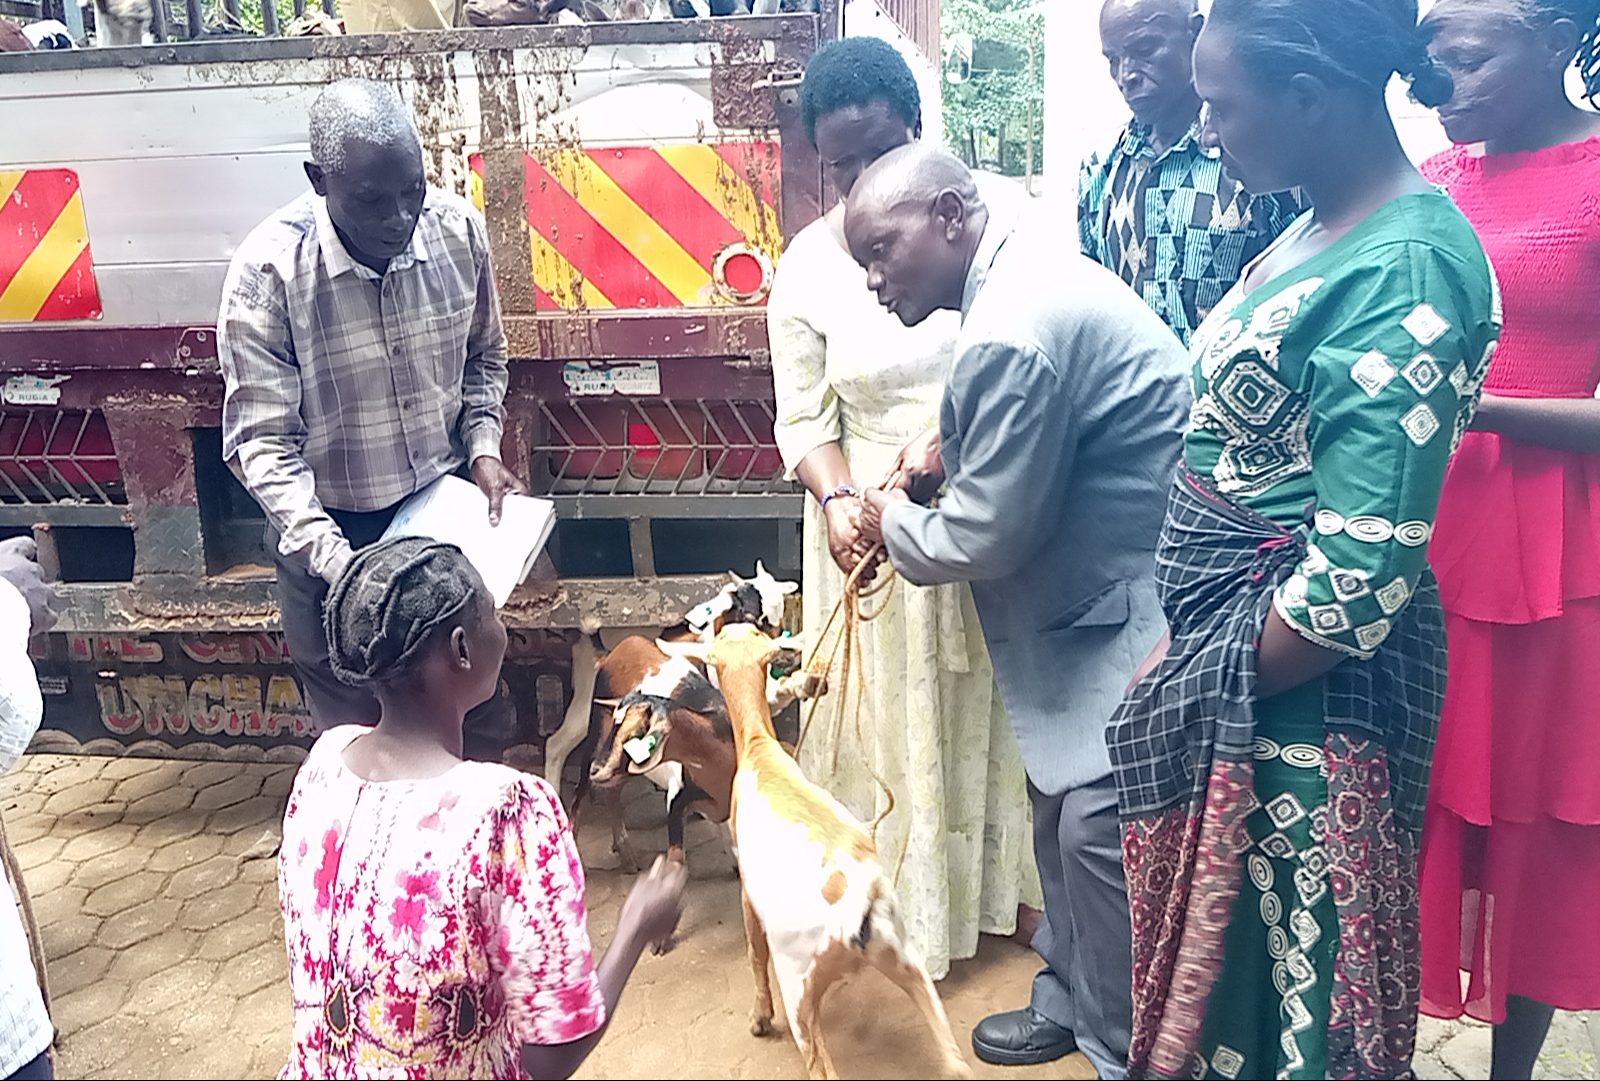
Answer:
(1272, 765)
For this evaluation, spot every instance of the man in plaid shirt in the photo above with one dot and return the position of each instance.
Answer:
(363, 358)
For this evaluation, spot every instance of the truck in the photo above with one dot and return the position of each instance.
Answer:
(638, 180)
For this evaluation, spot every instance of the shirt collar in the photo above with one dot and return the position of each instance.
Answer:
(336, 260)
(1136, 142)
(997, 230)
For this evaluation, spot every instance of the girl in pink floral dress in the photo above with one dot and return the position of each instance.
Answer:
(434, 907)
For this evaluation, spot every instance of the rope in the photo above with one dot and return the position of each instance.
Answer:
(847, 644)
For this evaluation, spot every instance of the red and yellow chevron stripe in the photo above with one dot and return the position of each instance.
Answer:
(46, 271)
(672, 225)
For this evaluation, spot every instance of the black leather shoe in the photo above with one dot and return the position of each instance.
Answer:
(1021, 1038)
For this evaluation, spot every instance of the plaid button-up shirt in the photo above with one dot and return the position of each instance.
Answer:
(350, 390)
(1172, 226)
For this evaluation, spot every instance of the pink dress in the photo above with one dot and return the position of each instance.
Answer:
(1511, 848)
(434, 926)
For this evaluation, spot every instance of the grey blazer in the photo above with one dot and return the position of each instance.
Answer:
(1062, 428)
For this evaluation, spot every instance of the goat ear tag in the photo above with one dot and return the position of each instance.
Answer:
(640, 750)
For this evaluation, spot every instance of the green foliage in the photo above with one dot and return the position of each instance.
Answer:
(986, 118)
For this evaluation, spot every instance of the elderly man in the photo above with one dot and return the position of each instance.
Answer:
(1158, 210)
(361, 345)
(1060, 428)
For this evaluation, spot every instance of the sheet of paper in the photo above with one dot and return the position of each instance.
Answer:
(455, 511)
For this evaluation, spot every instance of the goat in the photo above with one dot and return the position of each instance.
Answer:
(817, 903)
(599, 729)
(673, 728)
(121, 22)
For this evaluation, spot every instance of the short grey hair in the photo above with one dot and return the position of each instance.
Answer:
(358, 109)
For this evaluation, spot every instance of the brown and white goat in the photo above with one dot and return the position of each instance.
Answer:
(817, 903)
(605, 714)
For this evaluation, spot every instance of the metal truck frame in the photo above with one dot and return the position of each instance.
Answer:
(640, 415)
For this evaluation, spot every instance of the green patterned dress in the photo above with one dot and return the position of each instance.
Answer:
(1329, 400)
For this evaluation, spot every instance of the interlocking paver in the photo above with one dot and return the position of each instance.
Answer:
(144, 920)
(145, 959)
(138, 993)
(123, 894)
(217, 907)
(88, 846)
(204, 876)
(158, 805)
(102, 870)
(78, 970)
(165, 776)
(256, 812)
(185, 852)
(86, 794)
(213, 797)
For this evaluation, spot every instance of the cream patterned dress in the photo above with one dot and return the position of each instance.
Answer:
(931, 722)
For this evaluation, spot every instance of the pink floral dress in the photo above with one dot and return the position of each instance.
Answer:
(433, 926)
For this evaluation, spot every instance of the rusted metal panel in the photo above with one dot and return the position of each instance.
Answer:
(246, 601)
(235, 695)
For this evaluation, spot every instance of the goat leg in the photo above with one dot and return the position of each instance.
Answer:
(889, 958)
(627, 858)
(760, 960)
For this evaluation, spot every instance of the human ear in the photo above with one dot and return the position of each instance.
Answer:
(951, 210)
(319, 179)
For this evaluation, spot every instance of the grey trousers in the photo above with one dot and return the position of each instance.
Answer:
(1086, 938)
(489, 728)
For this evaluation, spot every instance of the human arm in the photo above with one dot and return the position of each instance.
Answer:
(1558, 423)
(1091, 190)
(1018, 438)
(483, 387)
(1393, 385)
(649, 915)
(26, 603)
(263, 433)
(558, 1002)
(807, 423)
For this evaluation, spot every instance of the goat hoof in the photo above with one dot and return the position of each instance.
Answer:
(761, 1026)
(675, 853)
(627, 859)
(663, 946)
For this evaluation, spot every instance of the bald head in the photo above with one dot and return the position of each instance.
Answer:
(1147, 45)
(366, 161)
(913, 221)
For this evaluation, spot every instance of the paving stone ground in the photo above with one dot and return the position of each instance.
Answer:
(154, 885)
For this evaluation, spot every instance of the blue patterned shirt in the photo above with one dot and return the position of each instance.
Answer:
(1172, 226)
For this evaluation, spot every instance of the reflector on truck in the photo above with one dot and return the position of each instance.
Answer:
(46, 271)
(665, 226)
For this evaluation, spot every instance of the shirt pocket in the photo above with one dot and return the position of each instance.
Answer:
(442, 346)
(1107, 607)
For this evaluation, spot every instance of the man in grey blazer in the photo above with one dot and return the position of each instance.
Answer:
(1061, 429)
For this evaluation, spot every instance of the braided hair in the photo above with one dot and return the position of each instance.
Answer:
(389, 604)
(1358, 42)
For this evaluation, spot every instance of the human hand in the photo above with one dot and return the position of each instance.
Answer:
(19, 565)
(655, 904)
(874, 504)
(495, 481)
(845, 543)
(921, 467)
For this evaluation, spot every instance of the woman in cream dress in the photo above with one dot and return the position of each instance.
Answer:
(853, 387)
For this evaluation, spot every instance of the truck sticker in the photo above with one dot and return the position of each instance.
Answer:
(636, 378)
(46, 271)
(33, 390)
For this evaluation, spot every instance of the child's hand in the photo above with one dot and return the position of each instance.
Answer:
(653, 906)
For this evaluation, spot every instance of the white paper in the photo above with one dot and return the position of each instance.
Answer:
(455, 511)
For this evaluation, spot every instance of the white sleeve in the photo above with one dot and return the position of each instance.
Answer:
(21, 706)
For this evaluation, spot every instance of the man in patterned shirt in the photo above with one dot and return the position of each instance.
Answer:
(1158, 210)
(363, 356)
